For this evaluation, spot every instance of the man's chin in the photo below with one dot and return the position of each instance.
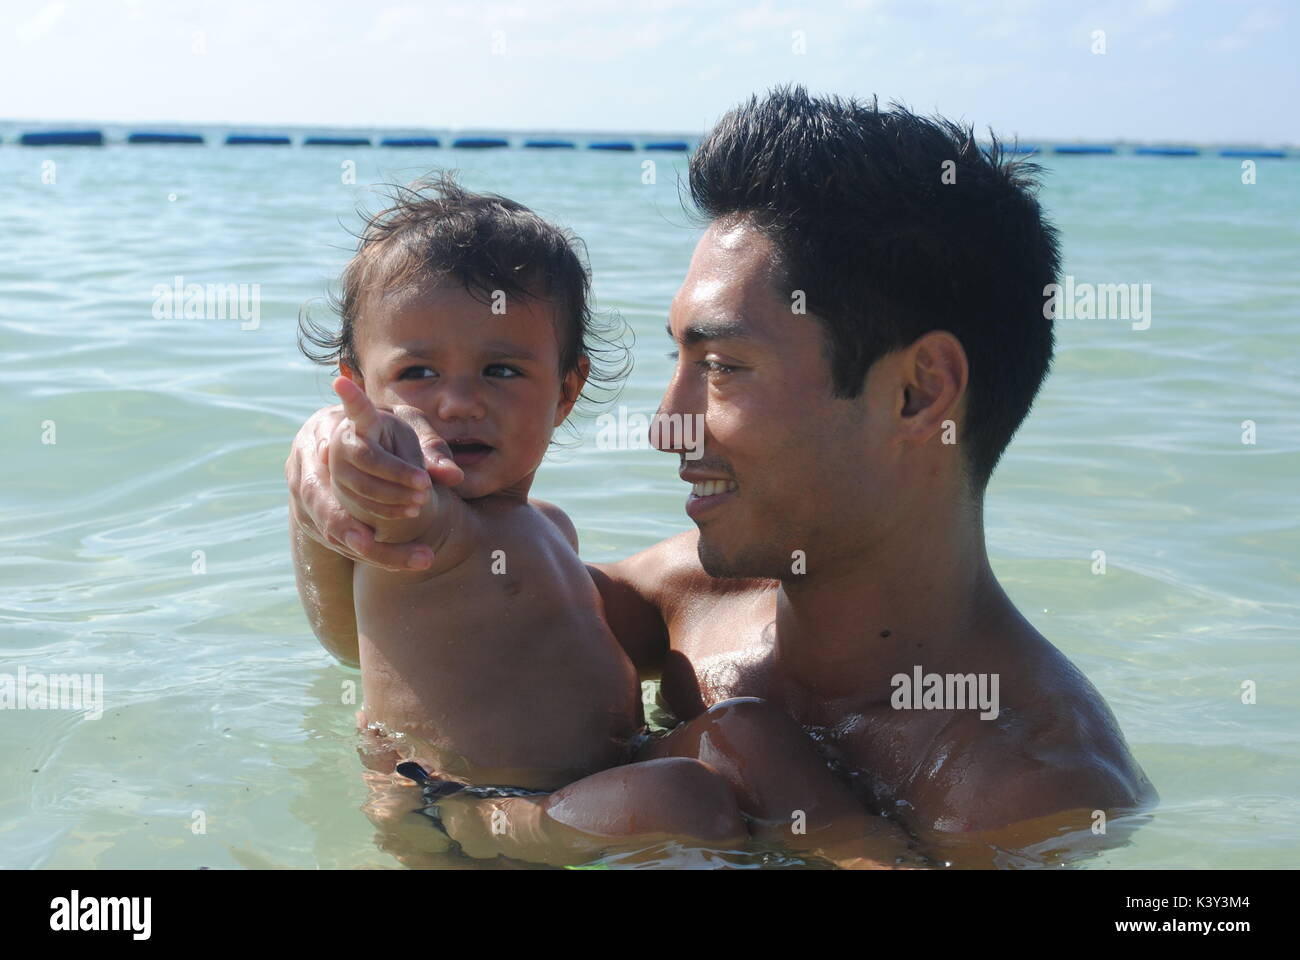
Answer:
(728, 564)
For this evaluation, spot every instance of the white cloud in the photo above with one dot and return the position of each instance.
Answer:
(1259, 20)
(41, 24)
(763, 17)
(1157, 8)
(393, 21)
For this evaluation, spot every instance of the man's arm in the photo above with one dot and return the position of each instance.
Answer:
(325, 587)
(641, 595)
(629, 590)
(326, 541)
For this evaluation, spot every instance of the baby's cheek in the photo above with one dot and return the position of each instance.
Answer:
(526, 455)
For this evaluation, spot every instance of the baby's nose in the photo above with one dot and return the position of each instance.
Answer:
(460, 400)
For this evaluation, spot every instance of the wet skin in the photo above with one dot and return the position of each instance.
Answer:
(849, 549)
(841, 544)
(494, 658)
(491, 663)
(960, 784)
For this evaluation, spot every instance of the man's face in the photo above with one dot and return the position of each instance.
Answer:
(785, 466)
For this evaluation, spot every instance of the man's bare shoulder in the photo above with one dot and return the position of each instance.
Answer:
(1054, 753)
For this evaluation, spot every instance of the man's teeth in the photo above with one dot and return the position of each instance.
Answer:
(711, 488)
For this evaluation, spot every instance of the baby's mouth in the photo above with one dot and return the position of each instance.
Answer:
(466, 453)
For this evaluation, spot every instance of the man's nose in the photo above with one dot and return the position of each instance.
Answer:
(459, 398)
(678, 404)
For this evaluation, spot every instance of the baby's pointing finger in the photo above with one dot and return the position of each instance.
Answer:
(358, 408)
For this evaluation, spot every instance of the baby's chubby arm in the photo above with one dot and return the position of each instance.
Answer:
(438, 518)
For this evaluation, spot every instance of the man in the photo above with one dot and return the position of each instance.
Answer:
(862, 329)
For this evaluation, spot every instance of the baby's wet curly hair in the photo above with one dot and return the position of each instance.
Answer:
(434, 229)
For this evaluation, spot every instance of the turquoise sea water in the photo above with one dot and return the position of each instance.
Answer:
(169, 436)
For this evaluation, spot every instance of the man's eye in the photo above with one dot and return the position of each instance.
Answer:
(501, 370)
(671, 354)
(417, 373)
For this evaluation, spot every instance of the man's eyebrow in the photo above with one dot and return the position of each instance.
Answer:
(728, 329)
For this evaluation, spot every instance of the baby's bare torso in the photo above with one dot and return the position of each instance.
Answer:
(501, 669)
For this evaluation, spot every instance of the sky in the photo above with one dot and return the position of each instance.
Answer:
(1158, 70)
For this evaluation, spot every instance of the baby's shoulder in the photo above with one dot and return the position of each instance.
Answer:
(558, 517)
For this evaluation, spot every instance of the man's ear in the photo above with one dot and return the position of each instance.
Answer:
(935, 373)
(571, 387)
(353, 375)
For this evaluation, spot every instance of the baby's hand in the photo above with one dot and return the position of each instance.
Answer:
(361, 470)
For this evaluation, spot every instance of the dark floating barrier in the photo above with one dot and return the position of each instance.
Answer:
(479, 143)
(336, 142)
(1167, 151)
(623, 145)
(668, 145)
(165, 138)
(63, 138)
(244, 140)
(1234, 152)
(1020, 148)
(550, 145)
(1083, 148)
(410, 142)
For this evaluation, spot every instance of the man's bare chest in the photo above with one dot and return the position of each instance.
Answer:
(729, 653)
(719, 651)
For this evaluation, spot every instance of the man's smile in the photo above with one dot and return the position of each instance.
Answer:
(707, 492)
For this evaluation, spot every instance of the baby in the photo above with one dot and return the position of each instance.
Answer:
(493, 665)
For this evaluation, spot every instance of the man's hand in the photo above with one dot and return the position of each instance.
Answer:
(357, 474)
(366, 431)
(372, 473)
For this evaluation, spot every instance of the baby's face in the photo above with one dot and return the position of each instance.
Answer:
(489, 383)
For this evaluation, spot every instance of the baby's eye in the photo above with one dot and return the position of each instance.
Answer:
(417, 373)
(712, 366)
(501, 370)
